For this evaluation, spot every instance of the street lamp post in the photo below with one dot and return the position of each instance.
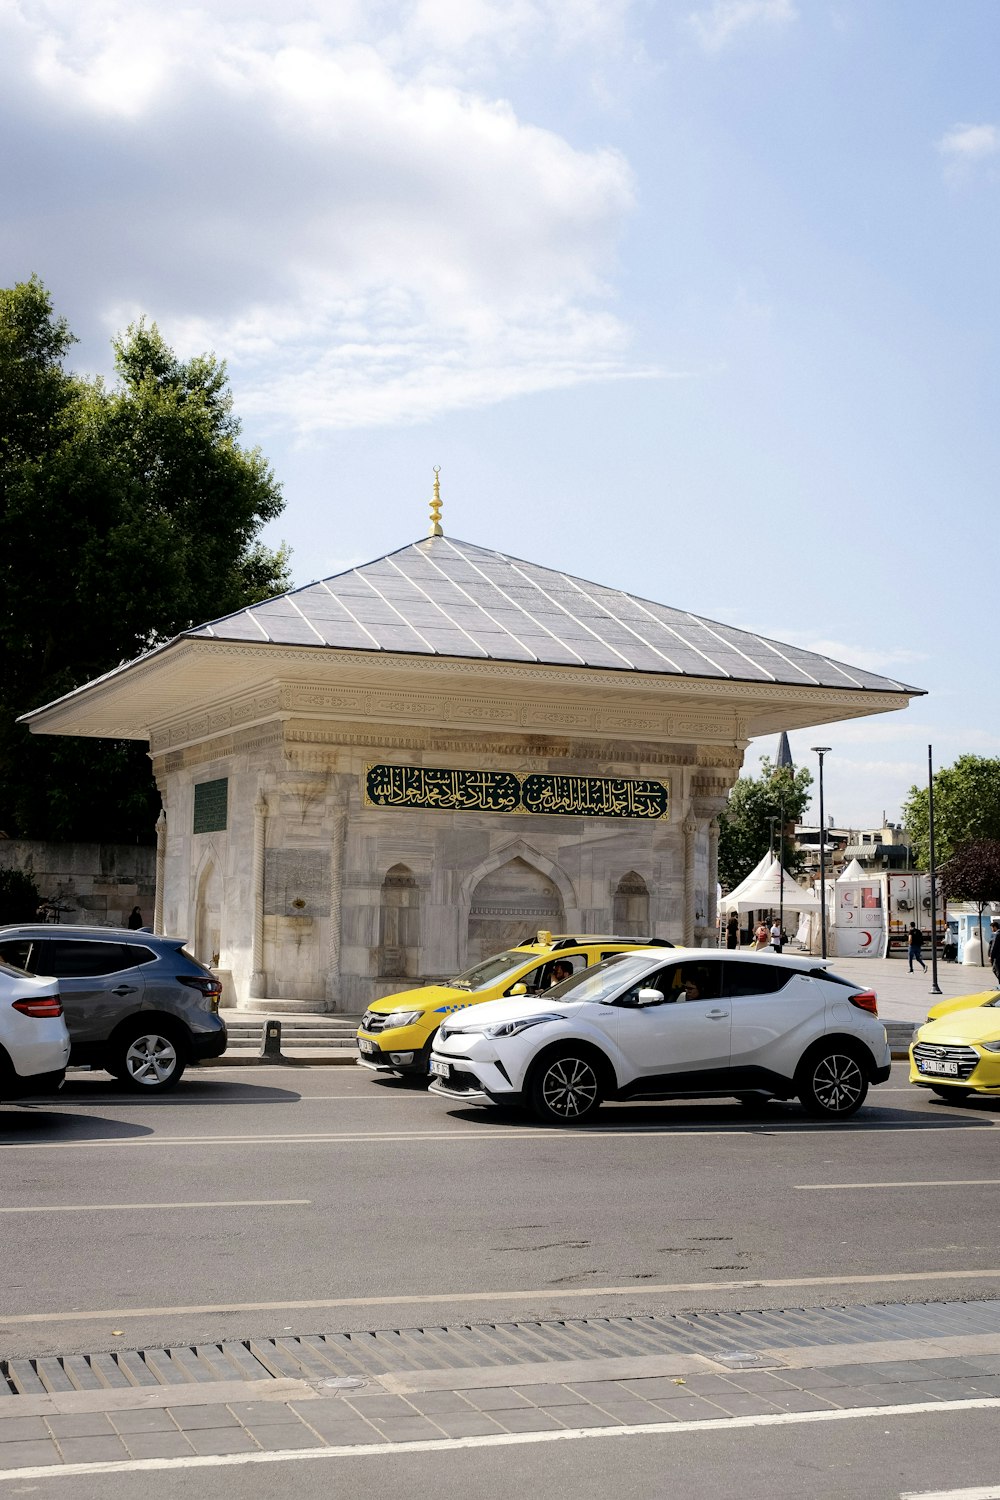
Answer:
(781, 877)
(935, 987)
(822, 750)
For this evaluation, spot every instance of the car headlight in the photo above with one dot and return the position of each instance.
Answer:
(511, 1028)
(401, 1018)
(990, 1046)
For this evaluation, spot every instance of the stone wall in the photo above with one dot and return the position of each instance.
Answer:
(87, 883)
(311, 898)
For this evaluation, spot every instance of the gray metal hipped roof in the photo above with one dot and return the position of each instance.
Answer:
(443, 597)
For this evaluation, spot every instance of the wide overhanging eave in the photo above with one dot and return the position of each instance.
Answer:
(189, 675)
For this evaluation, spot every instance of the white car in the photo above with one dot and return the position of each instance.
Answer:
(34, 1042)
(644, 1026)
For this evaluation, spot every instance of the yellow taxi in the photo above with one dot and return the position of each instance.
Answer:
(962, 1002)
(959, 1053)
(396, 1033)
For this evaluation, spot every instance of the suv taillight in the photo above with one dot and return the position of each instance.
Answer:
(865, 1000)
(202, 982)
(42, 1009)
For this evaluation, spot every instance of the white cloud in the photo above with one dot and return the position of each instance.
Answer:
(332, 200)
(970, 143)
(723, 21)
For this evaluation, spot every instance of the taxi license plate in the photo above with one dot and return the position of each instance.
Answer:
(939, 1066)
(440, 1069)
(366, 1047)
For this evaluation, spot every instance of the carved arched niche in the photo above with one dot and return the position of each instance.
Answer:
(508, 907)
(631, 906)
(399, 925)
(208, 914)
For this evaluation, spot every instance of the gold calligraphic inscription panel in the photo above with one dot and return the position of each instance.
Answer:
(512, 792)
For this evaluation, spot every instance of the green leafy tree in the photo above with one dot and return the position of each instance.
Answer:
(128, 513)
(966, 808)
(745, 826)
(973, 874)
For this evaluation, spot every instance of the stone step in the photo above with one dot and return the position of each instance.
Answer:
(313, 1033)
(296, 1023)
(314, 1044)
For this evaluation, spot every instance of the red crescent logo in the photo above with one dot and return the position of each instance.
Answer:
(867, 939)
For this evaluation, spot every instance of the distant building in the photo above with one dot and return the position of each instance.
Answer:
(885, 848)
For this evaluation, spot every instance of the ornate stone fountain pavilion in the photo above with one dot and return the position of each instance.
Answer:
(380, 777)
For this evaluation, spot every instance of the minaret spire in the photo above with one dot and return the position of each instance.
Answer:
(436, 504)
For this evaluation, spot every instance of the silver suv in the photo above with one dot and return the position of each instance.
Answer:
(135, 1003)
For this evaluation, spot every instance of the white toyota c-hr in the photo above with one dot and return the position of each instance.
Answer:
(640, 1026)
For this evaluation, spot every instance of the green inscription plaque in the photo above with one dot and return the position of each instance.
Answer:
(511, 792)
(211, 805)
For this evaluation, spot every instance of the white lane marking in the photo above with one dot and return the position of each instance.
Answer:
(67, 1105)
(87, 1208)
(534, 1294)
(504, 1440)
(486, 1133)
(837, 1187)
(983, 1492)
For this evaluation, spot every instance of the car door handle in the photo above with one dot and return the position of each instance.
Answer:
(716, 1015)
(125, 989)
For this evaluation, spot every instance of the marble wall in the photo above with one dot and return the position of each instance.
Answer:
(310, 897)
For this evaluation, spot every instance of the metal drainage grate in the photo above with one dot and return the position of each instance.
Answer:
(733, 1339)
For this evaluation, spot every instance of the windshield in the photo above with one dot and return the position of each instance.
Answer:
(490, 970)
(604, 979)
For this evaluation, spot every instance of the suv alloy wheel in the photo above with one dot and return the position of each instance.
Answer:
(148, 1061)
(566, 1089)
(832, 1083)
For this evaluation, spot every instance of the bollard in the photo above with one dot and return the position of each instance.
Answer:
(271, 1041)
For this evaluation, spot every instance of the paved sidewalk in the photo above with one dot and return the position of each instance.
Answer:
(294, 1416)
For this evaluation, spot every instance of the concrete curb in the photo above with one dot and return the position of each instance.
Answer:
(316, 1057)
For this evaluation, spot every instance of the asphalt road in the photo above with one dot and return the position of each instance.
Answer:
(211, 1213)
(308, 1200)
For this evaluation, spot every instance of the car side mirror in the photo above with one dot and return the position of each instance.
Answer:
(518, 989)
(648, 997)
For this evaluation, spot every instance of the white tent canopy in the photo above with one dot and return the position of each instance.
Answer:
(748, 880)
(854, 871)
(762, 890)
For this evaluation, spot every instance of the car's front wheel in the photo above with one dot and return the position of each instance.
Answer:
(566, 1088)
(148, 1061)
(832, 1084)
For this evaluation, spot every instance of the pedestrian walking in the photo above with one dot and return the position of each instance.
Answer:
(994, 953)
(913, 947)
(776, 936)
(733, 931)
(134, 919)
(760, 936)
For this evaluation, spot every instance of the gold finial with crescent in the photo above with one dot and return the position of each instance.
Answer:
(436, 505)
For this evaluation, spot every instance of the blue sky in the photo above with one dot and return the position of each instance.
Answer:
(696, 299)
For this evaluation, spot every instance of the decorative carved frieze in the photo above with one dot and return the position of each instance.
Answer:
(710, 786)
(539, 749)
